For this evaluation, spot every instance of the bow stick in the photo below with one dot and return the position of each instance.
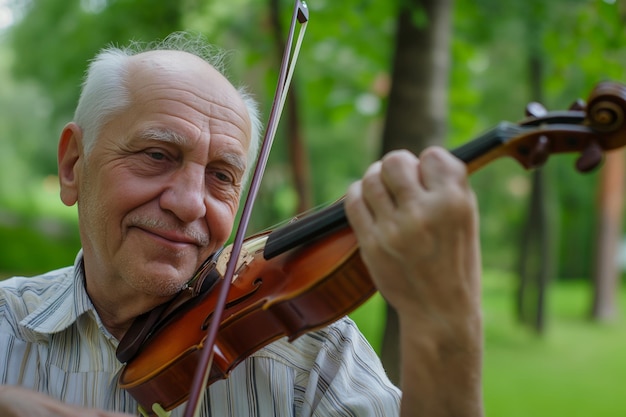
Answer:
(300, 15)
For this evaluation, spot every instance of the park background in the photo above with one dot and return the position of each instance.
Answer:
(555, 338)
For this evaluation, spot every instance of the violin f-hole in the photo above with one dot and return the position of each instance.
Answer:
(257, 283)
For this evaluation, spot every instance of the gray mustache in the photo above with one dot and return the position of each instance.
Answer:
(201, 238)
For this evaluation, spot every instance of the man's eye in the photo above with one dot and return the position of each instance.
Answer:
(223, 177)
(157, 156)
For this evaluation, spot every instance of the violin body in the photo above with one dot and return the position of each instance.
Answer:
(301, 290)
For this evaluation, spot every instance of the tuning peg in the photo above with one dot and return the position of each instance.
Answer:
(535, 109)
(590, 158)
(539, 153)
(578, 105)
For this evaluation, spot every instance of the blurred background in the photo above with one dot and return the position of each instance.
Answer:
(374, 76)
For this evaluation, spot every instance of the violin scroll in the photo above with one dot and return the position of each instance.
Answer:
(606, 108)
(605, 115)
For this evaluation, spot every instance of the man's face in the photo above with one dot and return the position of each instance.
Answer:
(160, 189)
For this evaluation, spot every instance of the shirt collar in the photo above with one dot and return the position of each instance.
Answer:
(65, 304)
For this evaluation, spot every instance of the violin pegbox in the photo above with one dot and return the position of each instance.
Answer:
(590, 129)
(592, 156)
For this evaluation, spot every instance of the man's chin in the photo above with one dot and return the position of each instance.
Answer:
(163, 280)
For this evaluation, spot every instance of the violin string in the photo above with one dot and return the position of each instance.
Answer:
(301, 216)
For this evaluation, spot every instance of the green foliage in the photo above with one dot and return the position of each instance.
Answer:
(55, 40)
(38, 232)
(23, 130)
(36, 245)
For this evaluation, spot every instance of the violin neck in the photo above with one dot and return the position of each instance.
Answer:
(334, 218)
(487, 142)
(305, 230)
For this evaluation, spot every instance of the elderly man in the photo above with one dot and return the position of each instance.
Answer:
(155, 160)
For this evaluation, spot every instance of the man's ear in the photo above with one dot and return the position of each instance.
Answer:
(69, 157)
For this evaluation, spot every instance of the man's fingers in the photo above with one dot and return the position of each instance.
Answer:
(438, 166)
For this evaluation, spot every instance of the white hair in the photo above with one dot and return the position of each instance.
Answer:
(105, 91)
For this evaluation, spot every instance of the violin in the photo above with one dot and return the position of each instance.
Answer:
(309, 273)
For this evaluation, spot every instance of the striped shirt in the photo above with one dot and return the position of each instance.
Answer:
(52, 341)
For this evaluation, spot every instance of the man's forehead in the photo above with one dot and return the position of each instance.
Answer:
(191, 88)
(192, 73)
(176, 64)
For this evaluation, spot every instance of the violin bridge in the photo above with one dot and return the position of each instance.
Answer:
(246, 256)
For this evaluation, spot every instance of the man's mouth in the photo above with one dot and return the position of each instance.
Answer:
(170, 234)
(175, 237)
(170, 237)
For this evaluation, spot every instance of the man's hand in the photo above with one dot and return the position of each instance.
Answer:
(417, 228)
(415, 221)
(21, 402)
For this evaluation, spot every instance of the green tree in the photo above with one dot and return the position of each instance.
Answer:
(54, 41)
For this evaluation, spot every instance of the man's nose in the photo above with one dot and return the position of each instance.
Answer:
(185, 194)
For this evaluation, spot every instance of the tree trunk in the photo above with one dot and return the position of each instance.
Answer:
(609, 231)
(417, 110)
(535, 263)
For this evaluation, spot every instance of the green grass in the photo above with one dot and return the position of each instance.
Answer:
(577, 368)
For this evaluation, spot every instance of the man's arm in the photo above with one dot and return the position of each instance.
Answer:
(416, 222)
(21, 402)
